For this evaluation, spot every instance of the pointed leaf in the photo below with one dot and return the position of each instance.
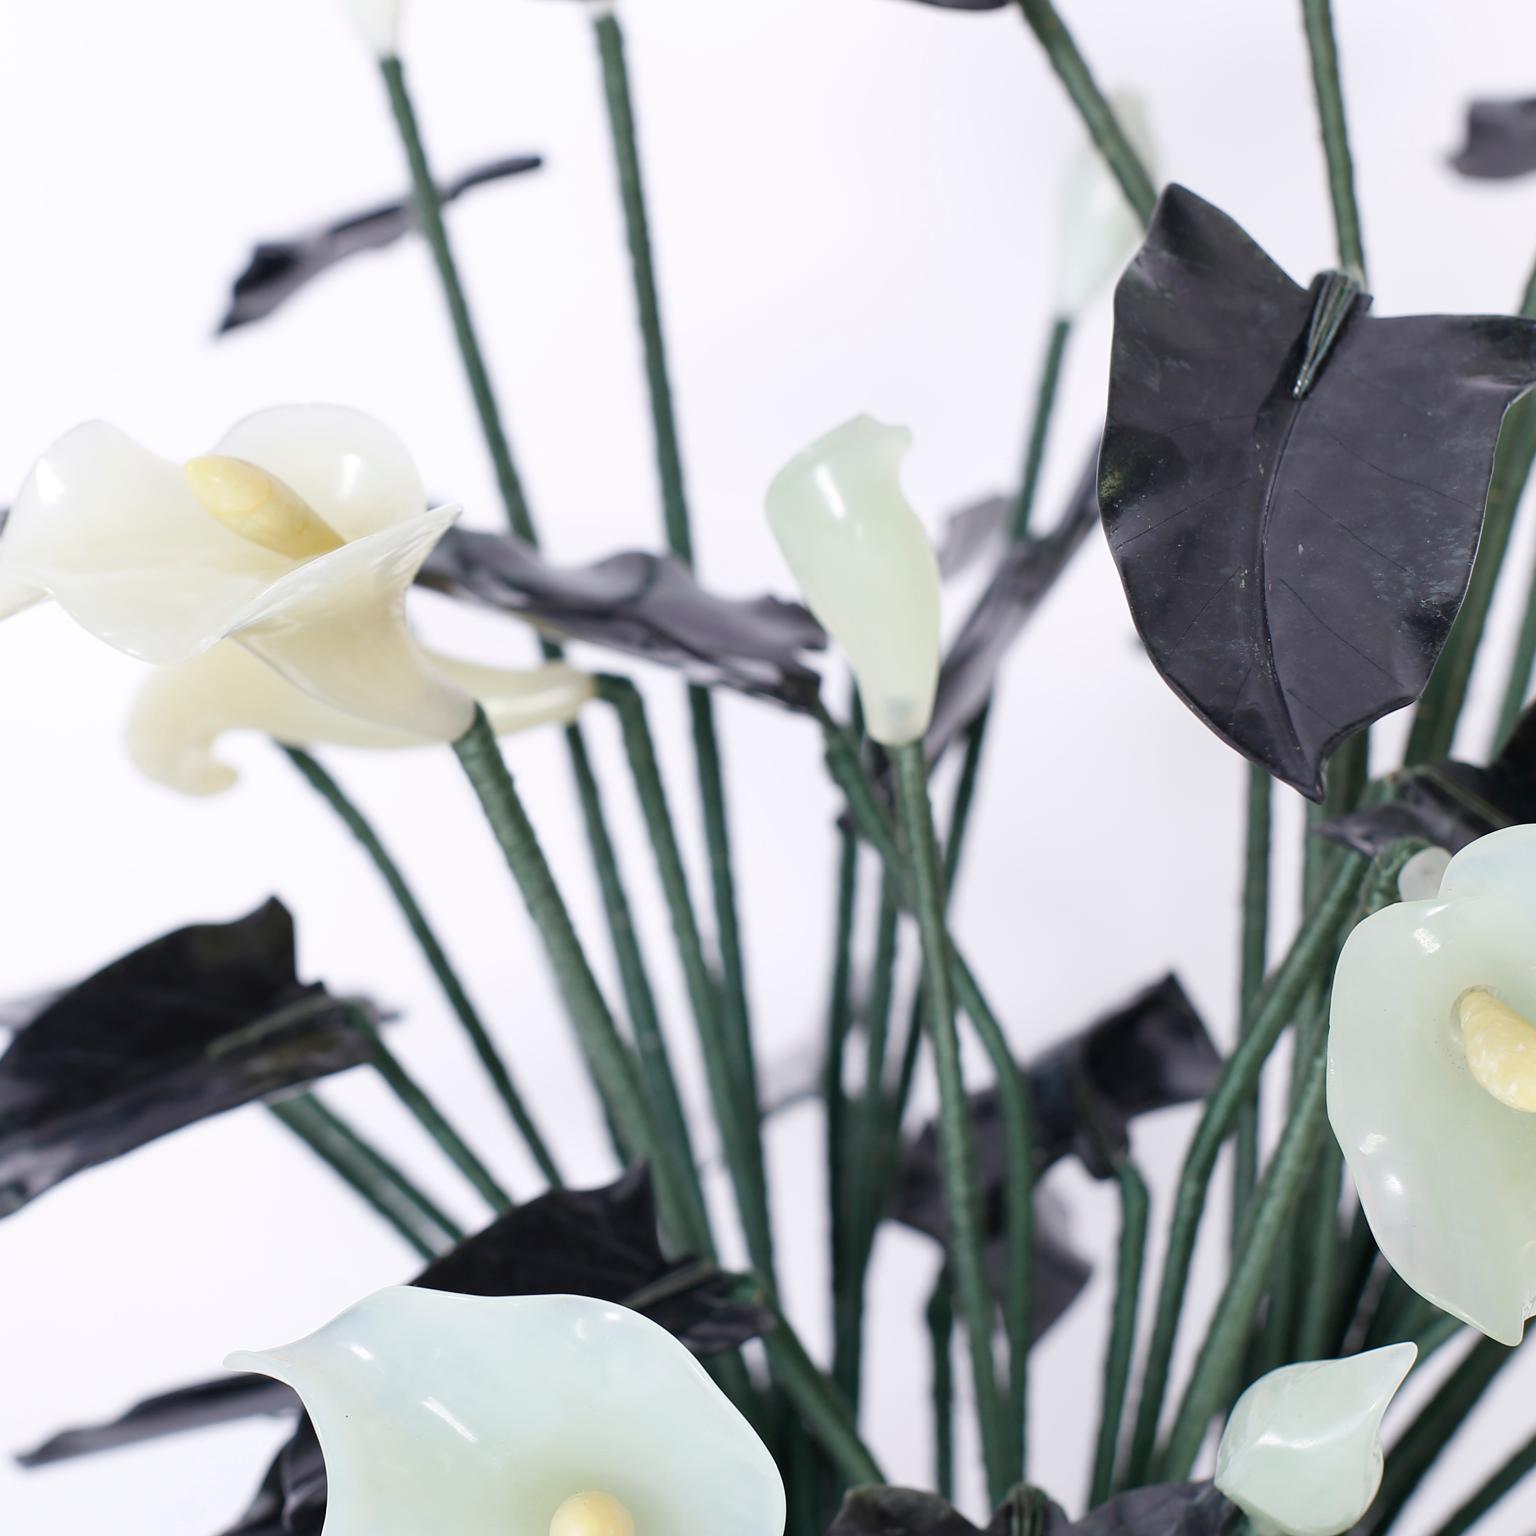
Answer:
(200, 1021)
(1293, 563)
(278, 269)
(650, 606)
(1501, 139)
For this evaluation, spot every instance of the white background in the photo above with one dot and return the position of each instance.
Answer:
(854, 202)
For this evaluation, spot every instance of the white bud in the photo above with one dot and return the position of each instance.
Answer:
(1098, 228)
(378, 22)
(866, 568)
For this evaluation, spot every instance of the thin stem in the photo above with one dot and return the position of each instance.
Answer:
(1097, 114)
(429, 212)
(1220, 1357)
(453, 989)
(1318, 1274)
(389, 1193)
(432, 1120)
(822, 1408)
(940, 1316)
(1134, 1210)
(1311, 951)
(965, 796)
(844, 1235)
(1513, 1472)
(1040, 424)
(1255, 957)
(967, 1235)
(1420, 1445)
(702, 995)
(1318, 17)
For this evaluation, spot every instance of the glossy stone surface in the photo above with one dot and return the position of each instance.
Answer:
(868, 572)
(118, 537)
(1446, 1173)
(1301, 1453)
(484, 1416)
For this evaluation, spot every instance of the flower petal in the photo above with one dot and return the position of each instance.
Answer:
(352, 469)
(482, 1415)
(111, 532)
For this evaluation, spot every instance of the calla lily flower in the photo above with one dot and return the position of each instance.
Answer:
(298, 537)
(1432, 1083)
(1097, 229)
(867, 570)
(378, 23)
(1301, 1454)
(183, 710)
(521, 1416)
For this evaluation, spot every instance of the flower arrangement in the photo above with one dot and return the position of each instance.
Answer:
(1308, 504)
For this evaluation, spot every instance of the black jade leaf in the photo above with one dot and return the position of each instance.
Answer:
(195, 1023)
(968, 5)
(1449, 803)
(650, 606)
(1293, 556)
(278, 269)
(1501, 139)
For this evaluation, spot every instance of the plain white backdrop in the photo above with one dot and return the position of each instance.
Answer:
(854, 205)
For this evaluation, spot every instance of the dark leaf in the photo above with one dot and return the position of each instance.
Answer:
(1501, 139)
(650, 606)
(1152, 1053)
(1293, 559)
(198, 1022)
(1185, 1509)
(1449, 803)
(967, 5)
(1026, 573)
(598, 1242)
(278, 269)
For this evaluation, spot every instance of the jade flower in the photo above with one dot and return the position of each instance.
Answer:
(521, 1416)
(297, 537)
(1301, 1453)
(1432, 1083)
(182, 710)
(868, 572)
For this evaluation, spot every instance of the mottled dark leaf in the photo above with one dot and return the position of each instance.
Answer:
(1293, 560)
(650, 606)
(278, 269)
(1184, 1509)
(1025, 575)
(1152, 1053)
(1449, 803)
(1501, 139)
(198, 1022)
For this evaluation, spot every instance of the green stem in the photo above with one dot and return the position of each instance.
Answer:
(1097, 114)
(821, 1407)
(702, 995)
(1040, 423)
(1134, 1210)
(940, 1315)
(1520, 667)
(1513, 1472)
(967, 1235)
(965, 796)
(1220, 1357)
(844, 1236)
(1420, 1445)
(1318, 17)
(1311, 951)
(432, 1120)
(429, 211)
(1255, 955)
(365, 1170)
(1319, 1274)
(453, 989)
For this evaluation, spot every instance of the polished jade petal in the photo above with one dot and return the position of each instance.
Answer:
(1301, 1454)
(1098, 229)
(1421, 877)
(484, 1416)
(182, 711)
(867, 570)
(1446, 1174)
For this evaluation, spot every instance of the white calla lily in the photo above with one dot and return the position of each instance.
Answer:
(1432, 1083)
(1097, 230)
(1301, 1453)
(866, 567)
(299, 537)
(182, 710)
(378, 23)
(521, 1416)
